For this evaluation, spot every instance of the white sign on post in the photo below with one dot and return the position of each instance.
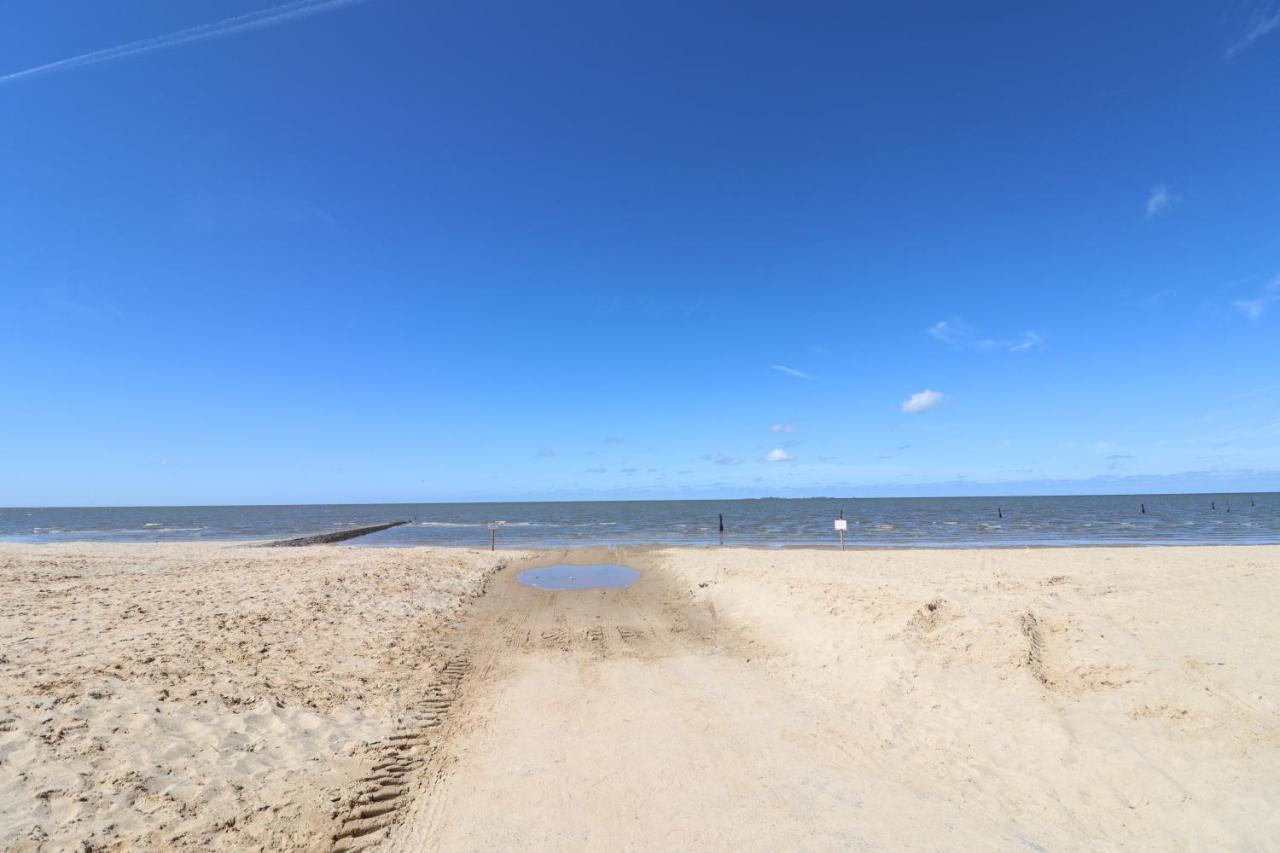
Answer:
(493, 534)
(842, 524)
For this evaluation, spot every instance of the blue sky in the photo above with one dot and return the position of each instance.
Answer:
(386, 250)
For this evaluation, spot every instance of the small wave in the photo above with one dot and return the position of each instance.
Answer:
(449, 524)
(152, 524)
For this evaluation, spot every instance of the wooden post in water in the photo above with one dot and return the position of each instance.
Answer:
(721, 528)
(1144, 508)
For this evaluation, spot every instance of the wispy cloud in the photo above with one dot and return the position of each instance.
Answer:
(250, 210)
(613, 439)
(545, 453)
(783, 428)
(1256, 307)
(1261, 21)
(596, 470)
(790, 371)
(956, 333)
(953, 332)
(1030, 340)
(1155, 298)
(778, 455)
(1115, 460)
(234, 25)
(922, 401)
(728, 460)
(1159, 200)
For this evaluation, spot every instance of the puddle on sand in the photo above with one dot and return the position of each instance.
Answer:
(598, 576)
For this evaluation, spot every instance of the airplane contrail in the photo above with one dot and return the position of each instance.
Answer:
(201, 32)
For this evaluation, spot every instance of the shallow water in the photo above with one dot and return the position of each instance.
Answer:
(598, 576)
(873, 522)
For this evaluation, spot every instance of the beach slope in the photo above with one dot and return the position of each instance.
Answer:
(1104, 698)
(224, 697)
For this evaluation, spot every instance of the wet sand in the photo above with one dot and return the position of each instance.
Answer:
(731, 699)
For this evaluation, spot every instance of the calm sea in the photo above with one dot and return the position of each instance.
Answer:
(876, 522)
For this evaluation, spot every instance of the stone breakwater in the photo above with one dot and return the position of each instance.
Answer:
(330, 538)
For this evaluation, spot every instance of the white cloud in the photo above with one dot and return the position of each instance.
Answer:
(954, 331)
(728, 460)
(280, 14)
(778, 455)
(790, 371)
(1030, 341)
(1160, 198)
(1262, 20)
(922, 401)
(960, 335)
(1256, 307)
(783, 428)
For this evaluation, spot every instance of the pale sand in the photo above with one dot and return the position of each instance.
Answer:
(158, 696)
(731, 700)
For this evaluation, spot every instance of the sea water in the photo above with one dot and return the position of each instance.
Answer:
(872, 522)
(594, 576)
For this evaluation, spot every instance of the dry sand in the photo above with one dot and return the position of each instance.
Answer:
(206, 696)
(1109, 698)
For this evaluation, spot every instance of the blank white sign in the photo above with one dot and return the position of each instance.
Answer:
(842, 524)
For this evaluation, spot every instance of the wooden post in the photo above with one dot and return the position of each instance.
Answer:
(493, 538)
(721, 528)
(842, 531)
(1144, 508)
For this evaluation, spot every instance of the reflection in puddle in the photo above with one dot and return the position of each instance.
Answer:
(598, 576)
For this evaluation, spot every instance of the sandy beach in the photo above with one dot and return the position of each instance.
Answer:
(323, 698)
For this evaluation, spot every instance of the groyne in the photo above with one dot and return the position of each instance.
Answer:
(329, 538)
